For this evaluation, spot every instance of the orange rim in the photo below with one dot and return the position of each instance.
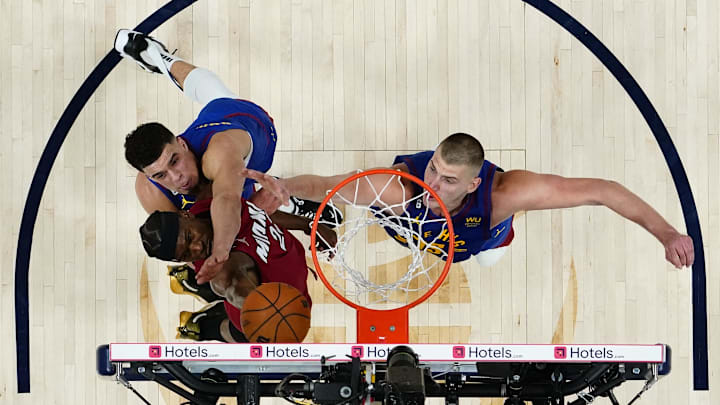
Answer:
(446, 214)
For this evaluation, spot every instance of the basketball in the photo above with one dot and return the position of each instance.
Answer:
(275, 313)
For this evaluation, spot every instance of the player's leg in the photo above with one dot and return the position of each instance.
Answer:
(308, 209)
(203, 324)
(212, 322)
(198, 84)
(182, 281)
(231, 333)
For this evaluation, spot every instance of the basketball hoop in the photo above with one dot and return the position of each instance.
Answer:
(382, 305)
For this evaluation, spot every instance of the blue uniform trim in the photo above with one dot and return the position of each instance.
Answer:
(37, 187)
(687, 201)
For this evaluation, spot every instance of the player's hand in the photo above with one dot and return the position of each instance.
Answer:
(273, 193)
(325, 239)
(211, 267)
(679, 250)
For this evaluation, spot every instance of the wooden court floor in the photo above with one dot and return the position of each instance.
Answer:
(351, 84)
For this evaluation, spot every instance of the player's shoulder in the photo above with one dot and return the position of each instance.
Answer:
(414, 164)
(508, 180)
(414, 158)
(401, 167)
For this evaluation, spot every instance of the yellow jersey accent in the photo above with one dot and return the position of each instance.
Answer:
(497, 232)
(185, 202)
(212, 124)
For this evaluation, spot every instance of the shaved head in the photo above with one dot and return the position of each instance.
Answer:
(462, 149)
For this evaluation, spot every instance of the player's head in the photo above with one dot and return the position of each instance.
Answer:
(154, 150)
(178, 237)
(453, 170)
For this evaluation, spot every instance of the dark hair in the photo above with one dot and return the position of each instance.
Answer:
(159, 234)
(462, 149)
(145, 144)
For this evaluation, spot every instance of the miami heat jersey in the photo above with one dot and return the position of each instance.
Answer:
(471, 224)
(220, 115)
(278, 255)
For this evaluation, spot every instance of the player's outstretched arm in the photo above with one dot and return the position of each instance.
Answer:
(327, 237)
(223, 164)
(364, 191)
(521, 190)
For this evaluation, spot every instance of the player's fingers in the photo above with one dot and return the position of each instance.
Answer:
(682, 256)
(672, 257)
(330, 237)
(690, 250)
(206, 276)
(279, 190)
(273, 206)
(268, 182)
(200, 276)
(252, 174)
(265, 200)
(208, 270)
(263, 178)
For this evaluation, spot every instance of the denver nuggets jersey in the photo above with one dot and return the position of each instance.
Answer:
(278, 255)
(471, 224)
(220, 115)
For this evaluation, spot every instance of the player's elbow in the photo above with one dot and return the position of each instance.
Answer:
(603, 192)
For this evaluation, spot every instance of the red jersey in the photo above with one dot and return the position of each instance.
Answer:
(278, 255)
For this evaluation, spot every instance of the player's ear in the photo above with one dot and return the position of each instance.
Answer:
(474, 184)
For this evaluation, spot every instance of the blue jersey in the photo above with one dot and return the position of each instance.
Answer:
(471, 224)
(220, 115)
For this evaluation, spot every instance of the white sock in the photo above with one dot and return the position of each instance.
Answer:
(155, 55)
(166, 58)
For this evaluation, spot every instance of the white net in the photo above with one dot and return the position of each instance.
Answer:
(388, 253)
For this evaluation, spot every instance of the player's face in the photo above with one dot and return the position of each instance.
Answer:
(194, 239)
(176, 169)
(451, 183)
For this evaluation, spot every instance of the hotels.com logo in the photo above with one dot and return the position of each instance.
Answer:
(458, 352)
(560, 352)
(154, 352)
(356, 351)
(256, 352)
